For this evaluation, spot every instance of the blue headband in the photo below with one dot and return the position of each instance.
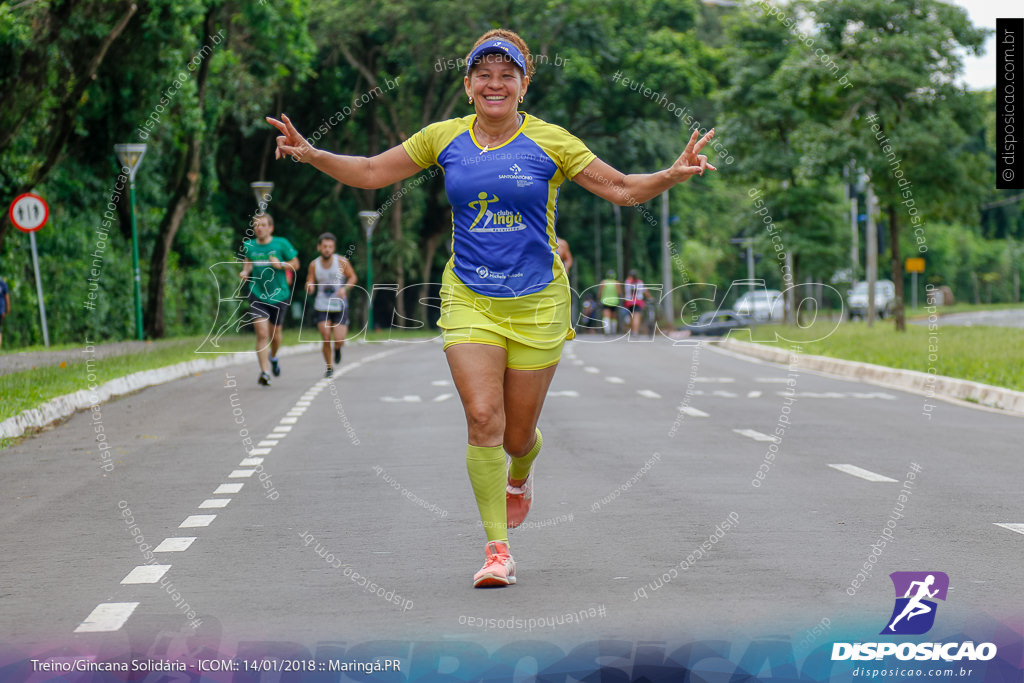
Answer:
(500, 47)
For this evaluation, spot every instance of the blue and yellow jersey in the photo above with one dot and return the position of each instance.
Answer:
(504, 200)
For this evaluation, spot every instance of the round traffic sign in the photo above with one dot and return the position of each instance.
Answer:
(29, 212)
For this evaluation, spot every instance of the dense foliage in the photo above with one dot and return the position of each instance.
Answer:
(193, 80)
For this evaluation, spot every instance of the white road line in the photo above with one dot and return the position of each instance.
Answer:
(862, 473)
(771, 380)
(755, 435)
(567, 392)
(228, 488)
(615, 380)
(193, 521)
(214, 503)
(147, 573)
(289, 420)
(267, 443)
(1019, 528)
(240, 474)
(304, 403)
(108, 616)
(592, 370)
(714, 380)
(295, 413)
(251, 462)
(754, 394)
(404, 399)
(260, 451)
(282, 428)
(873, 394)
(647, 393)
(442, 397)
(174, 545)
(723, 394)
(440, 383)
(692, 412)
(577, 361)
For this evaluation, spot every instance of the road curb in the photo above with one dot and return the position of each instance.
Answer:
(927, 384)
(65, 406)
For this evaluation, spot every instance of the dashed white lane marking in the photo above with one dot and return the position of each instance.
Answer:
(715, 380)
(755, 435)
(259, 451)
(723, 394)
(442, 397)
(174, 545)
(267, 443)
(867, 475)
(615, 380)
(592, 370)
(108, 616)
(147, 573)
(404, 399)
(305, 403)
(295, 413)
(282, 428)
(240, 474)
(566, 392)
(1019, 528)
(754, 394)
(251, 462)
(441, 383)
(228, 488)
(577, 361)
(692, 412)
(194, 521)
(647, 393)
(211, 503)
(771, 380)
(289, 420)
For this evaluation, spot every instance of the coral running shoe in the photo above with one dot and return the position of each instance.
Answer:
(518, 500)
(499, 569)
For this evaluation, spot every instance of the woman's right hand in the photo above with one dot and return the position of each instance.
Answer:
(291, 141)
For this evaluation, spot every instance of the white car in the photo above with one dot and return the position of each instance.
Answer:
(762, 305)
(885, 299)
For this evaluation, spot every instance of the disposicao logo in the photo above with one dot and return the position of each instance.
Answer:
(914, 614)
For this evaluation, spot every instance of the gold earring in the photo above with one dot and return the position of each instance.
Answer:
(521, 100)
(471, 99)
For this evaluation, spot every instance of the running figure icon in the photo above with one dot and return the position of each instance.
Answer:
(915, 606)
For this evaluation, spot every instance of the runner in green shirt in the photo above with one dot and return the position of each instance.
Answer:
(611, 292)
(266, 259)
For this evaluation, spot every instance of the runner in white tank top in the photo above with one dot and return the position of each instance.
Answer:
(330, 278)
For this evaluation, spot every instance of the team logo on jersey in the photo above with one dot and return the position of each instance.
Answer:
(482, 271)
(494, 220)
(914, 613)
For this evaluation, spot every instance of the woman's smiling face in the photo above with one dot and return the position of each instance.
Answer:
(495, 83)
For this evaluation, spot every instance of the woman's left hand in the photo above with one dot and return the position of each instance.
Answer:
(690, 162)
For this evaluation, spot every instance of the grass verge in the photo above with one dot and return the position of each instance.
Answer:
(22, 391)
(990, 355)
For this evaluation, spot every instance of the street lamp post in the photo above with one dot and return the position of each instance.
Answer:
(130, 156)
(262, 190)
(369, 220)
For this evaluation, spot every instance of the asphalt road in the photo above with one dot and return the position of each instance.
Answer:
(650, 449)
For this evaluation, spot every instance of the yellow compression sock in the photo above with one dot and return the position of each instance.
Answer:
(486, 467)
(520, 467)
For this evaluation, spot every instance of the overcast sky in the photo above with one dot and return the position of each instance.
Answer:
(980, 72)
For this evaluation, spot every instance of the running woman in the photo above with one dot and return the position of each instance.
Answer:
(504, 294)
(266, 260)
(611, 294)
(330, 277)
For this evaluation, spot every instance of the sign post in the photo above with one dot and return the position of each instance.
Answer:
(29, 213)
(130, 156)
(914, 266)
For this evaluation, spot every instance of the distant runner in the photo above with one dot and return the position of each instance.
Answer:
(330, 277)
(611, 293)
(266, 259)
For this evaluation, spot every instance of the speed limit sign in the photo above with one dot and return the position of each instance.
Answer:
(29, 212)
